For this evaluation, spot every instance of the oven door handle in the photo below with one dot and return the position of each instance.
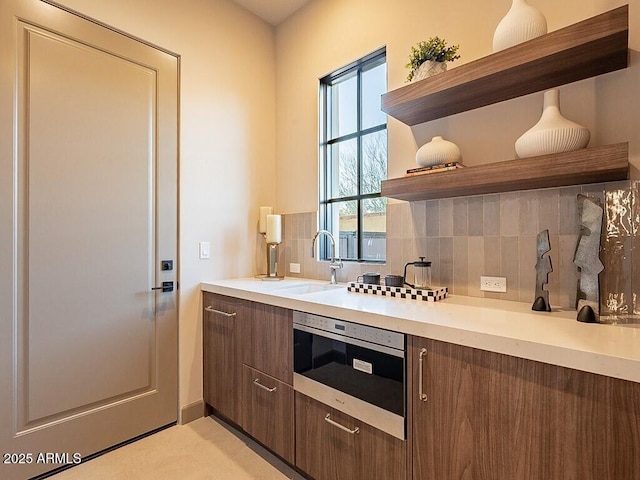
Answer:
(341, 427)
(421, 394)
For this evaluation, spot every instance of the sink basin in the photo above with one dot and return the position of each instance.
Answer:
(309, 288)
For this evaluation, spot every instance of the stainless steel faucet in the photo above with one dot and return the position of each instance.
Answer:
(334, 264)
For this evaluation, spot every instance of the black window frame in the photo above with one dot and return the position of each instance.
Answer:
(356, 68)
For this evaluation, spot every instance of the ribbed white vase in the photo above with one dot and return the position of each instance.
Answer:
(521, 23)
(427, 69)
(553, 133)
(437, 151)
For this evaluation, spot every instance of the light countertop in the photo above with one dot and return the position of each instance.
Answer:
(511, 328)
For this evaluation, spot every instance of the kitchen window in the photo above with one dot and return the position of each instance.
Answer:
(353, 159)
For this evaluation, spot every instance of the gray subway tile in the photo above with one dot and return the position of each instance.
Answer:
(446, 262)
(432, 223)
(445, 207)
(475, 262)
(419, 218)
(491, 214)
(475, 214)
(569, 224)
(492, 256)
(529, 207)
(433, 250)
(460, 216)
(567, 271)
(510, 266)
(549, 210)
(461, 265)
(509, 214)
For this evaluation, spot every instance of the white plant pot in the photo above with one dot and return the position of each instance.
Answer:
(521, 23)
(553, 133)
(428, 69)
(437, 151)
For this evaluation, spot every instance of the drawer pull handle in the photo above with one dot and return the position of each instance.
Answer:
(341, 427)
(257, 383)
(220, 312)
(421, 394)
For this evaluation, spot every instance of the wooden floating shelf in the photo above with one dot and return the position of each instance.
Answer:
(586, 49)
(591, 165)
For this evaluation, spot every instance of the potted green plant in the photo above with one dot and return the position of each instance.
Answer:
(430, 57)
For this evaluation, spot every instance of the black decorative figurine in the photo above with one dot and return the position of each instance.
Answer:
(587, 258)
(543, 269)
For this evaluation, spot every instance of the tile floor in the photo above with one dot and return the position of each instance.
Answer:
(203, 449)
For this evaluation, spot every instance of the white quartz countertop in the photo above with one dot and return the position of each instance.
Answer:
(511, 328)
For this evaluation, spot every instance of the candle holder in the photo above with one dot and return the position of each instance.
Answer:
(272, 261)
(270, 227)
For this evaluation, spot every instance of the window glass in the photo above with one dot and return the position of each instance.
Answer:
(344, 168)
(374, 84)
(353, 154)
(374, 161)
(374, 228)
(343, 118)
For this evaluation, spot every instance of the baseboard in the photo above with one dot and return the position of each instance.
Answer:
(192, 412)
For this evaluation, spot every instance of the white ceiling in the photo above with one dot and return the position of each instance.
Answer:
(273, 11)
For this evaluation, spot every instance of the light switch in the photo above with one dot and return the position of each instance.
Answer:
(205, 250)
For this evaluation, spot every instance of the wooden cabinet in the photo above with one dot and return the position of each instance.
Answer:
(268, 412)
(492, 416)
(248, 368)
(225, 320)
(331, 445)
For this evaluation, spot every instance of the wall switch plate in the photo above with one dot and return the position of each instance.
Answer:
(204, 250)
(294, 268)
(493, 284)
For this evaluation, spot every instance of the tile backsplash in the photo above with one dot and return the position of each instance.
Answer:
(495, 235)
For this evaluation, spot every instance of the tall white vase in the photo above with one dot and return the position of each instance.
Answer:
(553, 133)
(521, 23)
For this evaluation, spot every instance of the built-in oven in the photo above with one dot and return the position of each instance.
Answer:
(357, 369)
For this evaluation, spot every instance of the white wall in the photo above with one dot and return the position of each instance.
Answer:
(328, 34)
(227, 143)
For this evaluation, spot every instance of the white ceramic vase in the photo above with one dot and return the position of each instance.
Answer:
(521, 23)
(553, 133)
(437, 151)
(428, 69)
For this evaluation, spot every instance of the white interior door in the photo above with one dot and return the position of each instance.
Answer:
(88, 208)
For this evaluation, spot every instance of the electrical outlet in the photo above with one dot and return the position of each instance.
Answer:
(493, 284)
(294, 268)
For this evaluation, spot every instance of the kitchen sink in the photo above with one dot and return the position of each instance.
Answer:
(310, 288)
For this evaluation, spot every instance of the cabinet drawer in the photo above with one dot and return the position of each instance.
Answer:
(267, 413)
(223, 320)
(331, 445)
(271, 349)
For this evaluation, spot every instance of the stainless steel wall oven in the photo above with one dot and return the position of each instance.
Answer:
(357, 369)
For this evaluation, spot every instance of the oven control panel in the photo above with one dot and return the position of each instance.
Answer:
(367, 333)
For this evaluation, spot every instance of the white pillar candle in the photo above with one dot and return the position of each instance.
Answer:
(264, 211)
(274, 229)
